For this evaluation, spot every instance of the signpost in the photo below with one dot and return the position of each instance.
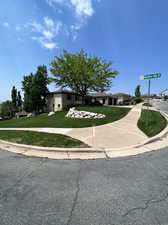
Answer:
(149, 77)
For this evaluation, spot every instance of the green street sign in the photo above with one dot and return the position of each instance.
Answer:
(150, 76)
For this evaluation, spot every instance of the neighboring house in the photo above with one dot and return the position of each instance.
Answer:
(122, 99)
(60, 100)
(102, 98)
(21, 114)
(63, 99)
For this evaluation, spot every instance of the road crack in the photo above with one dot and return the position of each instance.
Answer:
(147, 204)
(76, 195)
(4, 194)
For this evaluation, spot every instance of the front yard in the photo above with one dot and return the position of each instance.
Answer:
(41, 139)
(151, 122)
(60, 121)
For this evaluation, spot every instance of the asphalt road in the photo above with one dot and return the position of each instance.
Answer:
(127, 191)
(162, 105)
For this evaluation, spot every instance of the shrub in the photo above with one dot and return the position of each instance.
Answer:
(137, 100)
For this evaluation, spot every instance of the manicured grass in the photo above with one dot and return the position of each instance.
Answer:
(151, 122)
(147, 104)
(41, 139)
(59, 121)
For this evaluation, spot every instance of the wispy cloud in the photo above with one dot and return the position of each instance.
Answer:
(46, 32)
(81, 7)
(82, 10)
(74, 30)
(6, 24)
(18, 28)
(48, 21)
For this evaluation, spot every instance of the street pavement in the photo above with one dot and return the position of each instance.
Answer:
(161, 105)
(41, 191)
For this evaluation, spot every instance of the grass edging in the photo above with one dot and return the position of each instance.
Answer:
(41, 139)
(151, 122)
(58, 120)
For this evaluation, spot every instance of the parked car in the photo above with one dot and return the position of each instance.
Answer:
(5, 118)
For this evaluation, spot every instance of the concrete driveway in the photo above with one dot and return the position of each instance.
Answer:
(119, 134)
(123, 191)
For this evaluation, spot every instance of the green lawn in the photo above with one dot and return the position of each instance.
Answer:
(41, 139)
(59, 121)
(155, 125)
(147, 104)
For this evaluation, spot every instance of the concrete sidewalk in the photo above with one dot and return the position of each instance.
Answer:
(119, 134)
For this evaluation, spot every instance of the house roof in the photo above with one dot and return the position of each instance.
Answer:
(22, 113)
(100, 94)
(121, 95)
(62, 92)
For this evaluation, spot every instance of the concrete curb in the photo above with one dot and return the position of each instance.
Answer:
(152, 144)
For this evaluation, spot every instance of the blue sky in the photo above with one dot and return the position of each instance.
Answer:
(133, 34)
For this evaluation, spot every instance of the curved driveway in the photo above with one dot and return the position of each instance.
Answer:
(120, 134)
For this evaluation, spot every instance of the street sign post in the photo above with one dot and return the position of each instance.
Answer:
(149, 77)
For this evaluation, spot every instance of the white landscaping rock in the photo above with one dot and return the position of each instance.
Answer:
(30, 115)
(51, 113)
(73, 113)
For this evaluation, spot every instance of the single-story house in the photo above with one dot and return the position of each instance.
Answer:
(102, 98)
(122, 99)
(64, 99)
(21, 114)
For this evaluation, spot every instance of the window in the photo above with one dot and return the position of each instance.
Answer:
(69, 97)
(77, 98)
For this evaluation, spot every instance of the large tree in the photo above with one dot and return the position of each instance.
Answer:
(27, 89)
(7, 108)
(14, 97)
(82, 73)
(39, 89)
(19, 100)
(137, 91)
(35, 90)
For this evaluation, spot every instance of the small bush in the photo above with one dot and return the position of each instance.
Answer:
(137, 100)
(147, 104)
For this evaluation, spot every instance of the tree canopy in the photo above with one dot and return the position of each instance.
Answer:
(7, 108)
(82, 73)
(14, 97)
(137, 91)
(35, 90)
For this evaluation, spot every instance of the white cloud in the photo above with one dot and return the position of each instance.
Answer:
(83, 7)
(48, 21)
(46, 32)
(6, 24)
(44, 43)
(18, 28)
(51, 2)
(74, 30)
(50, 45)
(36, 27)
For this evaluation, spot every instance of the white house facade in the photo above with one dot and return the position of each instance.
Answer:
(64, 99)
